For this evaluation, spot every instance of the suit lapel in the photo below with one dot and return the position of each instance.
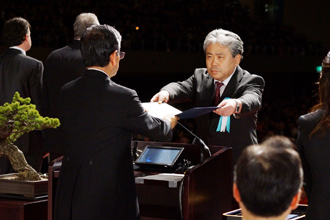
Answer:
(233, 84)
(209, 92)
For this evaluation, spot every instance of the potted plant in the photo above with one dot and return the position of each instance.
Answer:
(17, 118)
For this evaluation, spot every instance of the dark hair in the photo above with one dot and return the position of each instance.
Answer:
(268, 177)
(82, 22)
(15, 30)
(324, 98)
(98, 43)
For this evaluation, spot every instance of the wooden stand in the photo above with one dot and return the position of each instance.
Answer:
(23, 210)
(202, 192)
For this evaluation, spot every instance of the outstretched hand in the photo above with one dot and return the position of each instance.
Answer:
(228, 107)
(160, 97)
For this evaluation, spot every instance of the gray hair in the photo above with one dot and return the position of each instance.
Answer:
(83, 21)
(225, 38)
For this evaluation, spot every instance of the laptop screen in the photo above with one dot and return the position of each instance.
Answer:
(159, 155)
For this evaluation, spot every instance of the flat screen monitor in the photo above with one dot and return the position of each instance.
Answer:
(161, 156)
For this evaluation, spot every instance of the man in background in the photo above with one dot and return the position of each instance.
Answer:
(267, 180)
(62, 66)
(21, 73)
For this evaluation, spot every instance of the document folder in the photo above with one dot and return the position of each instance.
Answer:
(160, 110)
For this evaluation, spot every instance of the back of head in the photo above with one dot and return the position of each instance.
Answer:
(98, 43)
(82, 22)
(225, 38)
(15, 30)
(268, 177)
(278, 141)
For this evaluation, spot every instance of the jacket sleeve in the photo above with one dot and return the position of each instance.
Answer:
(136, 119)
(251, 97)
(182, 91)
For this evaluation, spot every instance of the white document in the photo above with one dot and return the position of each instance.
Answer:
(160, 110)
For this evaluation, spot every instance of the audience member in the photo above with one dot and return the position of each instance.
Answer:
(313, 145)
(238, 95)
(21, 73)
(267, 180)
(98, 118)
(62, 66)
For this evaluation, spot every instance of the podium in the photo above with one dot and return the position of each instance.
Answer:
(203, 192)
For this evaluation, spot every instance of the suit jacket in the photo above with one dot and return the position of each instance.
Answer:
(62, 66)
(200, 89)
(315, 153)
(22, 73)
(98, 117)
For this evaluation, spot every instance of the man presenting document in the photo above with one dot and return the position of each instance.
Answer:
(239, 94)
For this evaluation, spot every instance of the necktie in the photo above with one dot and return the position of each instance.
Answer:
(217, 93)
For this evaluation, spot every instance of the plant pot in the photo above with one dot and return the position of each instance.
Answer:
(11, 187)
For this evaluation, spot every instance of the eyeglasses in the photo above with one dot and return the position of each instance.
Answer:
(121, 54)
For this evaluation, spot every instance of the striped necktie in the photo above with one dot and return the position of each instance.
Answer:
(217, 93)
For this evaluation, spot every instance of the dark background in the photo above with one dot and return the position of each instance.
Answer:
(284, 42)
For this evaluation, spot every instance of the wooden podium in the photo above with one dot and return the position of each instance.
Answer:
(202, 192)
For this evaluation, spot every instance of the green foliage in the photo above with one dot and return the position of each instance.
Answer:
(21, 117)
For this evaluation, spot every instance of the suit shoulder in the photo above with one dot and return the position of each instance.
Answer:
(310, 119)
(27, 61)
(57, 51)
(56, 54)
(32, 60)
(201, 73)
(252, 77)
(248, 74)
(69, 85)
(122, 89)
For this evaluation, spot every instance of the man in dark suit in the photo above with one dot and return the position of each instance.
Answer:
(98, 118)
(239, 94)
(21, 73)
(62, 66)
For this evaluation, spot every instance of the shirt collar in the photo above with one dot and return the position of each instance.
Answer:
(18, 48)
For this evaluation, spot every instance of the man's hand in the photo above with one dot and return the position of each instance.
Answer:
(228, 107)
(172, 119)
(160, 97)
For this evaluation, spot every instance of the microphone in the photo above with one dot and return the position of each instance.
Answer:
(203, 145)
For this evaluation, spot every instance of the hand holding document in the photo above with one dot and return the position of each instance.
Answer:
(160, 110)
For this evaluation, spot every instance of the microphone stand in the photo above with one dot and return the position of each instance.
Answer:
(135, 150)
(203, 145)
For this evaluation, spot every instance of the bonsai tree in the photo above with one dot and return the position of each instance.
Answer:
(17, 118)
